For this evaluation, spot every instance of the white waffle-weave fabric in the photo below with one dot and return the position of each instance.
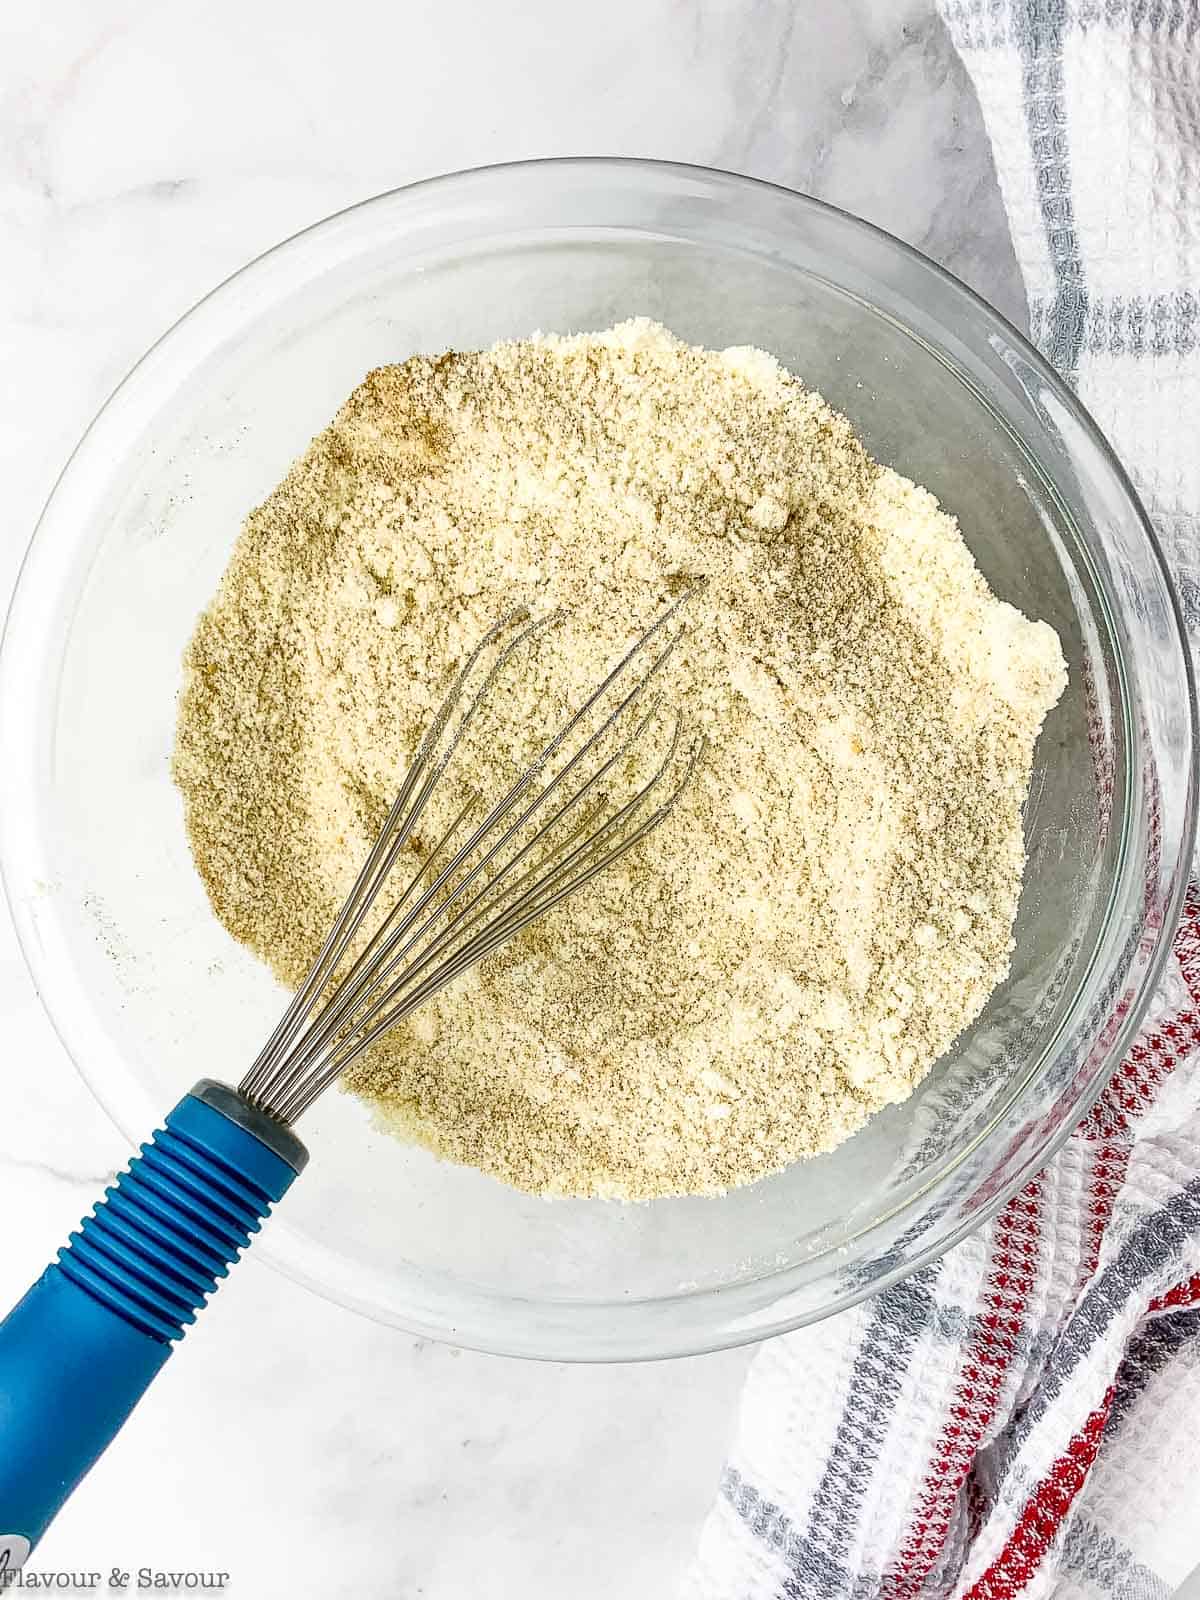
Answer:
(1023, 1416)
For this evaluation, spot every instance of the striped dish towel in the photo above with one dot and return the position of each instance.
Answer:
(1023, 1416)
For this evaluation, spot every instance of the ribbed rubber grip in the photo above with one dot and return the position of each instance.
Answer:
(78, 1351)
(170, 1226)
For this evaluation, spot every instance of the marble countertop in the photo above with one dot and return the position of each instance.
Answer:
(146, 152)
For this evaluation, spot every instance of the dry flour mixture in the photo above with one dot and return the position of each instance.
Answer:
(832, 902)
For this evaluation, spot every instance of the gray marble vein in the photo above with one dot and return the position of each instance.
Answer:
(96, 1181)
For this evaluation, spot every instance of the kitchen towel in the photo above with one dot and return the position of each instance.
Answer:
(1022, 1417)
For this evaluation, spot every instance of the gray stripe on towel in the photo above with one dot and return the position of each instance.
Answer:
(1058, 327)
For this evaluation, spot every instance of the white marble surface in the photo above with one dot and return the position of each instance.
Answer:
(145, 152)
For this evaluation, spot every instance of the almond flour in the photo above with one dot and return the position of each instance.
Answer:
(832, 902)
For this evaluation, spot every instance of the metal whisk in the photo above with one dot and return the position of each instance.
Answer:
(79, 1350)
(565, 819)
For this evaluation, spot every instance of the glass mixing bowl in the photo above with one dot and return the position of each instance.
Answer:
(148, 991)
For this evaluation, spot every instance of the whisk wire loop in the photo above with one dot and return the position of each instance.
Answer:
(481, 884)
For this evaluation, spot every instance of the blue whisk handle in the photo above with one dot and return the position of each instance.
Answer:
(78, 1351)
